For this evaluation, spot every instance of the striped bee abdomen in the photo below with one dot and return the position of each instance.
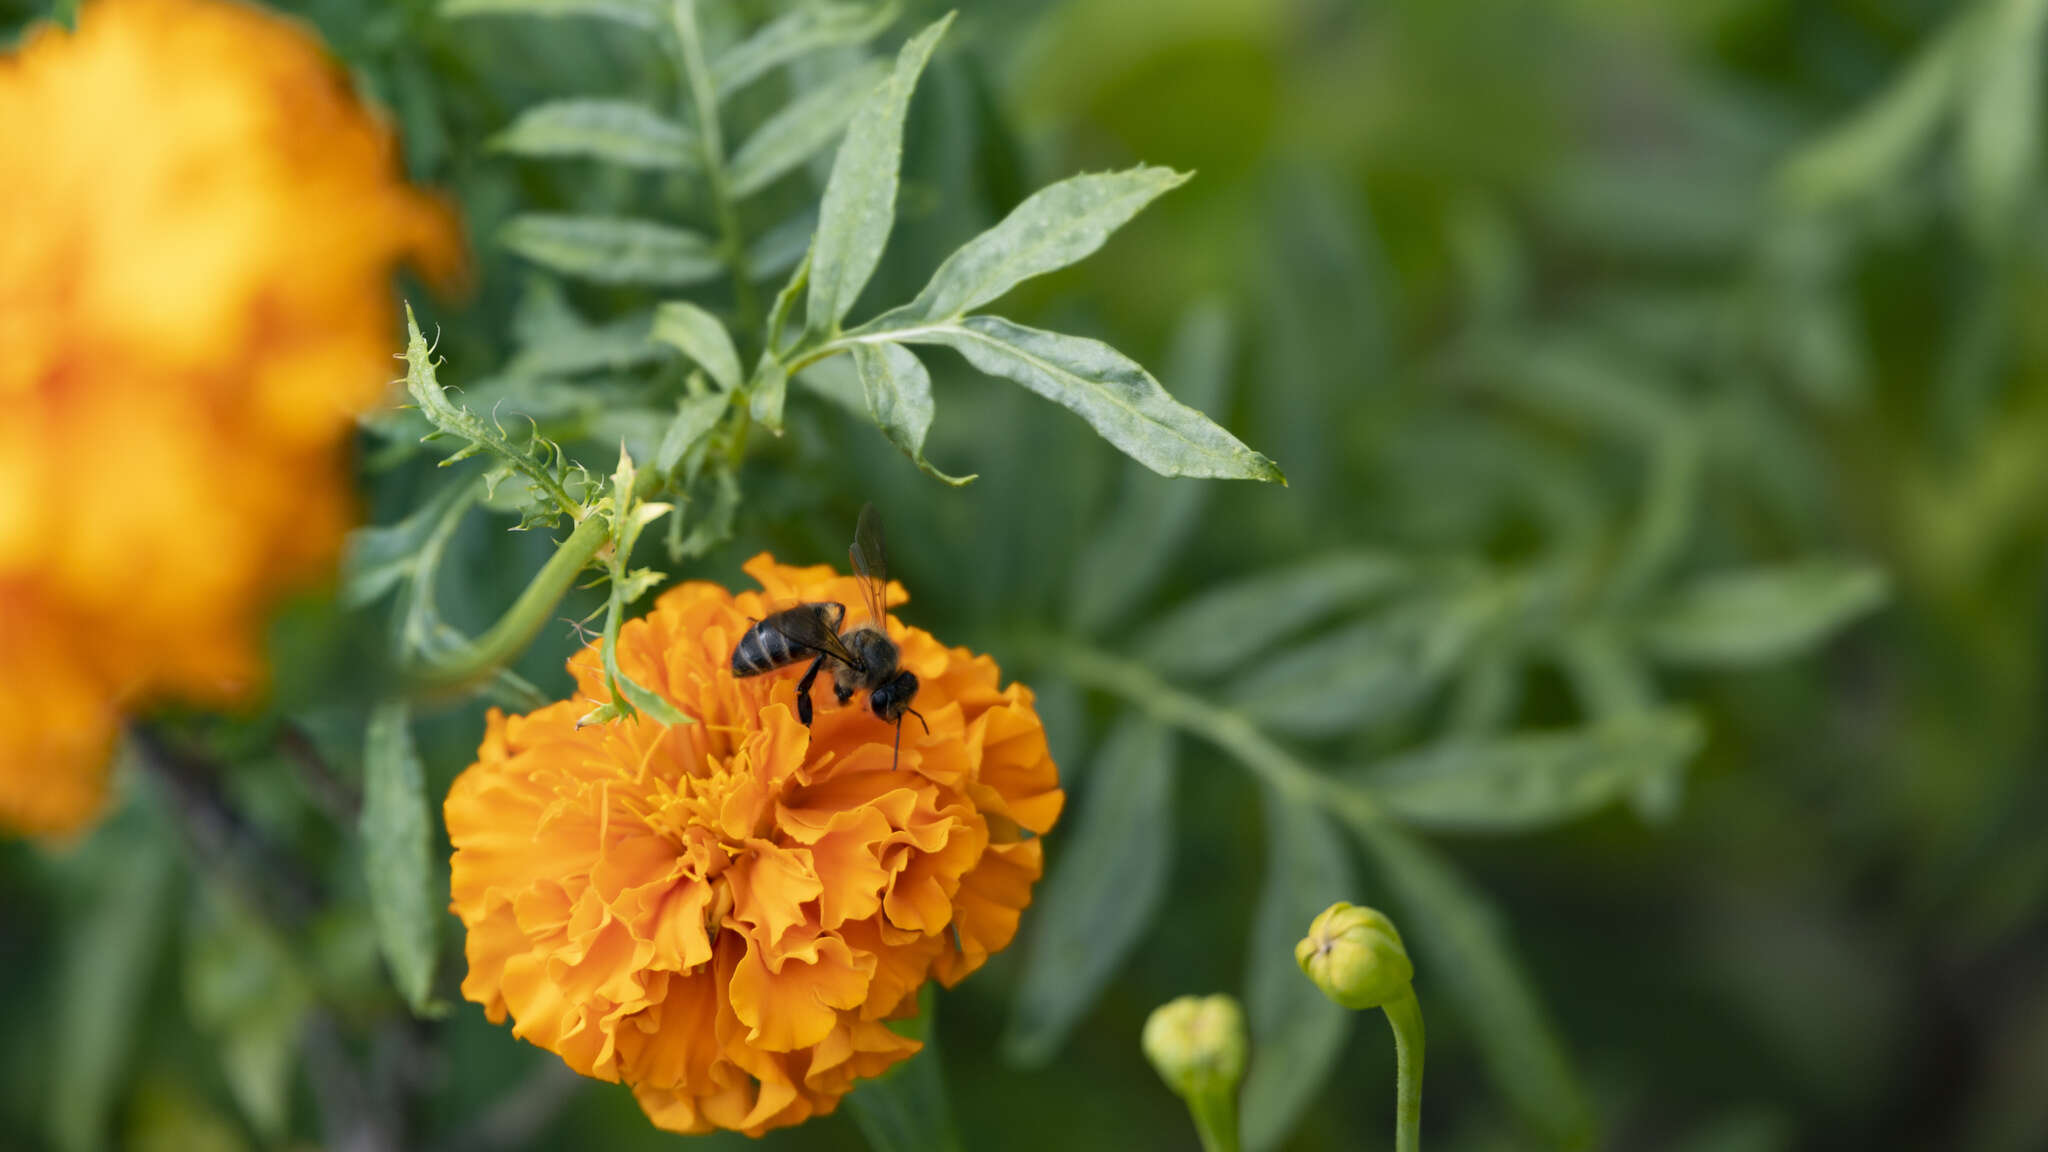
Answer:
(777, 642)
(763, 649)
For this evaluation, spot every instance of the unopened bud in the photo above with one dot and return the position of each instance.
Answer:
(1355, 956)
(1198, 1045)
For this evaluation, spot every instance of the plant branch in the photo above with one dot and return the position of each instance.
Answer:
(732, 242)
(506, 639)
(1220, 726)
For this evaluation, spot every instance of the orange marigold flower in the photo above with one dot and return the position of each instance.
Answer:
(724, 914)
(200, 223)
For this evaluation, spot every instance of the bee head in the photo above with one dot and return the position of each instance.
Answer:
(892, 699)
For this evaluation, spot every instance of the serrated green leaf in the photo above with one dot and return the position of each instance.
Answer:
(644, 14)
(118, 910)
(1223, 629)
(1463, 956)
(1297, 1032)
(1119, 399)
(553, 485)
(1758, 615)
(406, 896)
(905, 1109)
(612, 250)
(1054, 227)
(2001, 120)
(898, 393)
(699, 335)
(1140, 540)
(1532, 781)
(614, 131)
(800, 130)
(799, 33)
(696, 416)
(859, 207)
(1102, 892)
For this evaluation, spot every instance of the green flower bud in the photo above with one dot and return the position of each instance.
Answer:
(1355, 956)
(1198, 1045)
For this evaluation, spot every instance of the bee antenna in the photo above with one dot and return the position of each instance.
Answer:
(897, 754)
(920, 720)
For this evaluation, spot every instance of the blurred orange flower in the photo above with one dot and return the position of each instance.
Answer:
(200, 223)
(723, 914)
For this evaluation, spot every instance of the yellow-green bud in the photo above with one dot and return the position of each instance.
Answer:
(1355, 956)
(1198, 1044)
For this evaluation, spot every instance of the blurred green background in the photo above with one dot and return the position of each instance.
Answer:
(1559, 308)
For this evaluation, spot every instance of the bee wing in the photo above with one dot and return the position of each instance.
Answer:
(871, 564)
(807, 629)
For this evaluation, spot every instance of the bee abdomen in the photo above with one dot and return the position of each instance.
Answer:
(762, 649)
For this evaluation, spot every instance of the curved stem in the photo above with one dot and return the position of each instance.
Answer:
(1405, 1014)
(1227, 729)
(516, 629)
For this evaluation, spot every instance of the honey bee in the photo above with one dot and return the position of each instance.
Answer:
(863, 658)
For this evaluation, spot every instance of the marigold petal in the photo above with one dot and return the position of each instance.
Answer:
(990, 902)
(770, 886)
(194, 308)
(787, 1001)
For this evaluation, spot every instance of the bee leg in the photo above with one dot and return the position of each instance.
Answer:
(844, 694)
(803, 691)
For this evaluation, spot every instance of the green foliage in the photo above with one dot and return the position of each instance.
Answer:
(859, 206)
(635, 13)
(1127, 832)
(1654, 612)
(1109, 390)
(248, 996)
(614, 131)
(1751, 617)
(1532, 781)
(121, 884)
(1051, 229)
(899, 400)
(1297, 1032)
(611, 250)
(905, 1110)
(398, 846)
(699, 336)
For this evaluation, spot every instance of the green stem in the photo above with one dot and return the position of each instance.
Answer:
(1229, 730)
(1405, 1014)
(1215, 1116)
(732, 242)
(441, 676)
